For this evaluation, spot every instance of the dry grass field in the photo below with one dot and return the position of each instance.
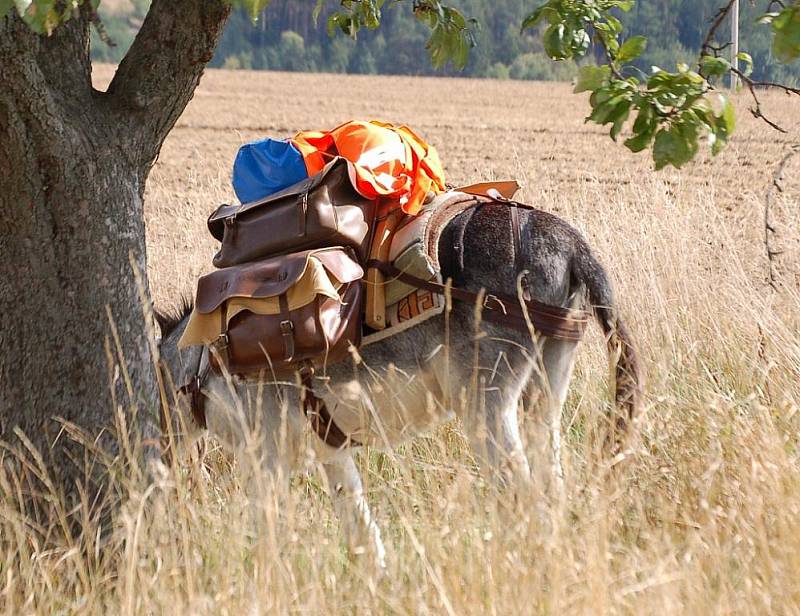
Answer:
(703, 515)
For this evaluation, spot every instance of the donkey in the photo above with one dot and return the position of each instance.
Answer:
(452, 364)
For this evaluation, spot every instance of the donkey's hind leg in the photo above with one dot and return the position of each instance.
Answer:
(548, 390)
(493, 426)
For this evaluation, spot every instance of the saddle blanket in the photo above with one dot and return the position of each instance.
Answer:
(414, 250)
(416, 307)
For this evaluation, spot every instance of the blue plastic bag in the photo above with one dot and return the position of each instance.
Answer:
(265, 167)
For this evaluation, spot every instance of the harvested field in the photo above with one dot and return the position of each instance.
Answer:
(483, 129)
(702, 516)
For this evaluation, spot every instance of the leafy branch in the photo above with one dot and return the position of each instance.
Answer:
(452, 34)
(674, 110)
(785, 26)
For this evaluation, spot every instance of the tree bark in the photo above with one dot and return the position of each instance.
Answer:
(73, 165)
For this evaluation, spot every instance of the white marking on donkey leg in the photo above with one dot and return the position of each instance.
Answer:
(558, 361)
(512, 441)
(352, 508)
(494, 429)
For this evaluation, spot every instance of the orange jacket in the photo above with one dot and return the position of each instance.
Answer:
(388, 161)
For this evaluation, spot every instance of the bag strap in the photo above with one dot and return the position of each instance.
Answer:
(287, 328)
(317, 413)
(219, 356)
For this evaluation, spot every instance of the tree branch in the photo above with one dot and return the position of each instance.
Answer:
(612, 65)
(158, 76)
(769, 228)
(61, 59)
(752, 85)
(716, 23)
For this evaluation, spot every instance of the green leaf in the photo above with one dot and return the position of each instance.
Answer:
(728, 117)
(580, 43)
(591, 77)
(554, 44)
(669, 149)
(344, 23)
(602, 113)
(644, 118)
(614, 24)
(632, 48)
(726, 122)
(767, 18)
(786, 30)
(599, 96)
(748, 62)
(723, 126)
(711, 66)
(618, 117)
(543, 12)
(665, 148)
(688, 130)
(42, 16)
(640, 142)
(451, 34)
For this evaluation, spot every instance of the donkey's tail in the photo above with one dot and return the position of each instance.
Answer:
(622, 353)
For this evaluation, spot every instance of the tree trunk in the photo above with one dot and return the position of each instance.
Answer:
(73, 166)
(73, 219)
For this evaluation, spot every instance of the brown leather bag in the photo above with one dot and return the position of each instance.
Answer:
(317, 333)
(324, 210)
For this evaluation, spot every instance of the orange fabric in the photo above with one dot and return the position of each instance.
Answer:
(387, 161)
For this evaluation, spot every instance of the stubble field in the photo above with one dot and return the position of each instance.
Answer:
(703, 515)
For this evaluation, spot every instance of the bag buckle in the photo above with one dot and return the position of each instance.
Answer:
(287, 333)
(222, 341)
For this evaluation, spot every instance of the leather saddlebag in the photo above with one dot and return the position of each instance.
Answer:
(324, 210)
(278, 314)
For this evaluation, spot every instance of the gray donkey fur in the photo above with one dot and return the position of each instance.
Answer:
(452, 364)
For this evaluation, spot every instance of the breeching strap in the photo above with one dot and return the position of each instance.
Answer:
(551, 321)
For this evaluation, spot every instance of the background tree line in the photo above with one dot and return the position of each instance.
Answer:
(284, 37)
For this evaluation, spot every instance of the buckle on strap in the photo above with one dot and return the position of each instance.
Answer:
(287, 333)
(197, 407)
(221, 342)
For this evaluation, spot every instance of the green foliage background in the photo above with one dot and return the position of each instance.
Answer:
(284, 37)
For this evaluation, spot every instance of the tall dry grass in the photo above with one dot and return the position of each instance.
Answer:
(702, 517)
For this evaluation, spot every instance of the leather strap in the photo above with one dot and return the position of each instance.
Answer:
(197, 400)
(551, 321)
(220, 345)
(314, 408)
(317, 413)
(516, 243)
(287, 328)
(457, 255)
